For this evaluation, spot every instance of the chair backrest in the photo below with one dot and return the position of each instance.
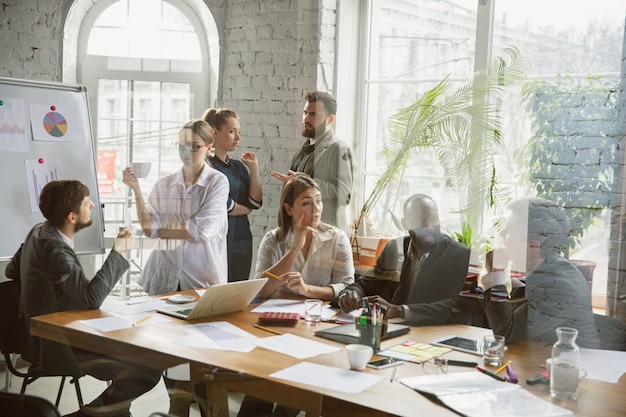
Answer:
(22, 405)
(611, 331)
(52, 358)
(9, 308)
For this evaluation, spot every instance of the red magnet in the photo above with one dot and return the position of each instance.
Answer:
(53, 108)
(40, 160)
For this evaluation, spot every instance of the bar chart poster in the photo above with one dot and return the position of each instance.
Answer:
(39, 172)
(12, 126)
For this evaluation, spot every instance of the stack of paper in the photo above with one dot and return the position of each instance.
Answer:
(474, 394)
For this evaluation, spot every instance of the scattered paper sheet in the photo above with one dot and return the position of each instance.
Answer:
(219, 335)
(297, 306)
(296, 346)
(280, 305)
(108, 324)
(327, 377)
(329, 312)
(603, 365)
(474, 394)
(134, 305)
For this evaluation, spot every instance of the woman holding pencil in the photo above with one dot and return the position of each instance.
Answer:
(304, 256)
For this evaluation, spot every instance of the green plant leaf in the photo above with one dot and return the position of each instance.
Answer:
(463, 129)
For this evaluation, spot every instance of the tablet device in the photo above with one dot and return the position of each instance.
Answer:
(462, 344)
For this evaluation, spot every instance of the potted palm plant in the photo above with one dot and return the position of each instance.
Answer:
(462, 128)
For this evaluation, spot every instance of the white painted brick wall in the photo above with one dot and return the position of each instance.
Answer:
(274, 51)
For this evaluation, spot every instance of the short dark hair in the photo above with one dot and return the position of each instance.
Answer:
(60, 198)
(330, 103)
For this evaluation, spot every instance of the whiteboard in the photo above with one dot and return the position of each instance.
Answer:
(45, 134)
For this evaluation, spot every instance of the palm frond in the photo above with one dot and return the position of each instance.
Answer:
(462, 128)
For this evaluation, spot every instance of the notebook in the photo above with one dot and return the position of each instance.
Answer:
(348, 333)
(218, 299)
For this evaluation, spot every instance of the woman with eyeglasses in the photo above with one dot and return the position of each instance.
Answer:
(245, 188)
(186, 210)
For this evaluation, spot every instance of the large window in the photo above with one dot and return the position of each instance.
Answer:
(413, 44)
(147, 64)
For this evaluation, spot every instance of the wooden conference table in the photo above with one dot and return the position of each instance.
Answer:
(249, 372)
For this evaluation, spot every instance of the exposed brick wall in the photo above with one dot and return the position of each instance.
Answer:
(272, 50)
(30, 31)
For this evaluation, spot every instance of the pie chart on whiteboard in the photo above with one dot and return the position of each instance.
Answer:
(55, 124)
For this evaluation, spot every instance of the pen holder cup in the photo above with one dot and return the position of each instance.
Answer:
(371, 334)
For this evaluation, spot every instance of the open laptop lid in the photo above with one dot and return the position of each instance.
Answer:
(218, 299)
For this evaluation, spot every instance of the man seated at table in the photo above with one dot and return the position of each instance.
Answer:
(556, 293)
(432, 275)
(48, 254)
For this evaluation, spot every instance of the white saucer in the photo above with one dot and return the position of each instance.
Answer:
(181, 299)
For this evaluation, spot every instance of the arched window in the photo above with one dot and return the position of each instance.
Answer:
(148, 68)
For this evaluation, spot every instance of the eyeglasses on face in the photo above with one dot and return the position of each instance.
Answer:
(194, 147)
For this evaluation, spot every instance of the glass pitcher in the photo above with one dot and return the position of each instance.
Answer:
(565, 365)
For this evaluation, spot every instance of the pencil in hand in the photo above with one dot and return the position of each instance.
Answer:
(269, 274)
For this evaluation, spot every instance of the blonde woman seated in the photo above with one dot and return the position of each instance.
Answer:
(311, 259)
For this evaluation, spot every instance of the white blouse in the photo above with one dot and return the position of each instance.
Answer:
(201, 259)
(329, 262)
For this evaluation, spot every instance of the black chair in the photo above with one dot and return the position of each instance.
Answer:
(11, 338)
(21, 405)
(47, 358)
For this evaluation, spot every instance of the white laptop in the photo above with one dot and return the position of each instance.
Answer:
(218, 299)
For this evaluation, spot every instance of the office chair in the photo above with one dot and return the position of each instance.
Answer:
(10, 339)
(47, 358)
(21, 405)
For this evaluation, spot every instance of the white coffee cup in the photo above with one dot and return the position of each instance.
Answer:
(141, 169)
(358, 356)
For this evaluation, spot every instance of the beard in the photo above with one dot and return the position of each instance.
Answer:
(82, 225)
(312, 132)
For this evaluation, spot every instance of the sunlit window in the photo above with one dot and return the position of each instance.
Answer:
(144, 29)
(576, 55)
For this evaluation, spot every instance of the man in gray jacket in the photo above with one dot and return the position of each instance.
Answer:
(324, 157)
(52, 279)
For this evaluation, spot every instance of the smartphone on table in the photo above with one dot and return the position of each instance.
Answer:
(384, 363)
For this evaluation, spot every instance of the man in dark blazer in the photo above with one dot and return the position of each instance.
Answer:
(432, 274)
(52, 279)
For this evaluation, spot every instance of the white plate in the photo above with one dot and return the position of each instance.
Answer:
(181, 299)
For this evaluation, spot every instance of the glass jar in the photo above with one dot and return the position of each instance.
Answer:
(565, 365)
